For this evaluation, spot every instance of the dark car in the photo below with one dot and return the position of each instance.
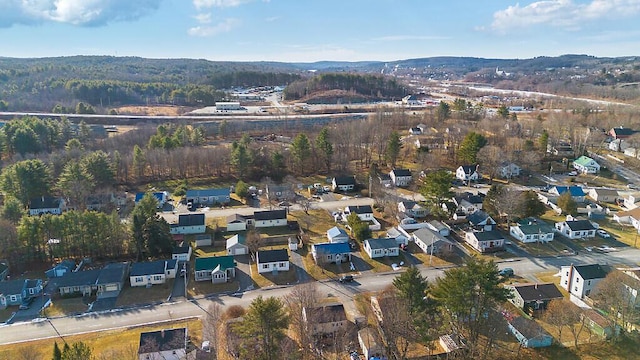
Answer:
(26, 303)
(346, 278)
(506, 272)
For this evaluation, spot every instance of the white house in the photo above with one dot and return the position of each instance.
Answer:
(576, 229)
(485, 241)
(412, 209)
(152, 272)
(431, 242)
(189, 224)
(586, 165)
(209, 196)
(582, 279)
(336, 235)
(480, 220)
(377, 248)
(400, 177)
(468, 203)
(202, 240)
(509, 170)
(182, 253)
(467, 173)
(399, 236)
(603, 195)
(532, 232)
(439, 227)
(365, 212)
(272, 260)
(237, 245)
(629, 217)
(270, 218)
(166, 344)
(343, 183)
(236, 222)
(46, 205)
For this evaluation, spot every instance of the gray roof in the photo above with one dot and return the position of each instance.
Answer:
(79, 278)
(11, 287)
(345, 180)
(163, 340)
(181, 249)
(383, 243)
(208, 192)
(534, 292)
(578, 225)
(270, 215)
(148, 268)
(113, 273)
(45, 202)
(488, 235)
(429, 236)
(268, 256)
(326, 314)
(190, 219)
(401, 172)
(593, 271)
(479, 216)
(528, 328)
(362, 209)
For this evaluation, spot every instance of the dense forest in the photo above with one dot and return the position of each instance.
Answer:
(360, 87)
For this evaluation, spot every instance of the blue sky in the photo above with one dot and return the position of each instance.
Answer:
(313, 30)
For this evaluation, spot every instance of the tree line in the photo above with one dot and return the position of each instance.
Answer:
(374, 87)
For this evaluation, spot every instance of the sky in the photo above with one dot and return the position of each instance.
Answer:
(317, 30)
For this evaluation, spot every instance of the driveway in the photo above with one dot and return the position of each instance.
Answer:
(179, 282)
(33, 311)
(298, 264)
(243, 272)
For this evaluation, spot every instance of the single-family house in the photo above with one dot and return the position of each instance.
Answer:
(270, 218)
(400, 177)
(161, 196)
(619, 145)
(401, 237)
(577, 193)
(412, 209)
(292, 242)
(202, 240)
(508, 170)
(529, 333)
(576, 229)
(60, 269)
(431, 241)
(237, 245)
(150, 273)
(631, 152)
(385, 180)
(415, 131)
(325, 253)
(166, 344)
(532, 231)
(14, 292)
(529, 297)
(182, 253)
(468, 203)
(580, 280)
(586, 165)
(439, 227)
(480, 220)
(485, 241)
(106, 282)
(46, 205)
(326, 319)
(599, 324)
(272, 260)
(111, 279)
(429, 142)
(368, 344)
(99, 201)
(218, 269)
(377, 248)
(343, 183)
(620, 132)
(411, 100)
(337, 235)
(365, 212)
(189, 224)
(279, 192)
(604, 195)
(236, 222)
(562, 148)
(208, 197)
(4, 271)
(467, 173)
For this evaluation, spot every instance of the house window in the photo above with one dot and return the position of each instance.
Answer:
(31, 291)
(157, 277)
(566, 282)
(281, 265)
(265, 266)
(139, 279)
(589, 282)
(14, 298)
(328, 257)
(575, 289)
(577, 280)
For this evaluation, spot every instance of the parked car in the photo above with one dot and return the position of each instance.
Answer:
(603, 233)
(26, 303)
(346, 278)
(573, 173)
(506, 272)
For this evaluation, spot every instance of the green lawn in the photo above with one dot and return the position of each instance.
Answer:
(62, 307)
(269, 279)
(198, 288)
(141, 294)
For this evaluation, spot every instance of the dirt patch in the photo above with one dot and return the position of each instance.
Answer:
(152, 110)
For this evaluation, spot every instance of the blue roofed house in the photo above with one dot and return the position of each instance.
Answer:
(336, 235)
(189, 224)
(217, 269)
(324, 253)
(150, 273)
(14, 292)
(209, 197)
(577, 193)
(529, 333)
(377, 248)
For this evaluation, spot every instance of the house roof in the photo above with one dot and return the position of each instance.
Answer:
(78, 278)
(190, 219)
(45, 202)
(438, 225)
(362, 209)
(237, 239)
(606, 192)
(622, 131)
(579, 225)
(31, 283)
(270, 215)
(573, 190)
(478, 216)
(148, 268)
(162, 340)
(203, 237)
(208, 192)
(181, 249)
(408, 204)
(326, 314)
(11, 287)
(537, 228)
(394, 233)
(212, 262)
(634, 213)
(593, 271)
(401, 172)
(596, 317)
(268, 256)
(235, 218)
(112, 273)
(429, 236)
(470, 198)
(384, 177)
(382, 243)
(336, 232)
(345, 180)
(159, 195)
(528, 328)
(332, 248)
(534, 292)
(469, 169)
(488, 235)
(278, 188)
(3, 267)
(583, 160)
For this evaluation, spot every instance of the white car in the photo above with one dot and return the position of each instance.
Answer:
(603, 233)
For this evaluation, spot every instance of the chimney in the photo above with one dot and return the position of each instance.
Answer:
(536, 286)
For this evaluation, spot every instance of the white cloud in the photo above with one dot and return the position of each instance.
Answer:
(200, 4)
(566, 14)
(204, 31)
(76, 12)
(410, 38)
(203, 18)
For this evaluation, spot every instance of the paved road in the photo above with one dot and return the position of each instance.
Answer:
(49, 328)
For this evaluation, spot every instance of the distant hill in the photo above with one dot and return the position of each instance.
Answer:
(344, 88)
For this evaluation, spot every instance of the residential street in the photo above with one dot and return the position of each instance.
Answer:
(65, 326)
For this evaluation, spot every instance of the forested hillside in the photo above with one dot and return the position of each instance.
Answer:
(353, 87)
